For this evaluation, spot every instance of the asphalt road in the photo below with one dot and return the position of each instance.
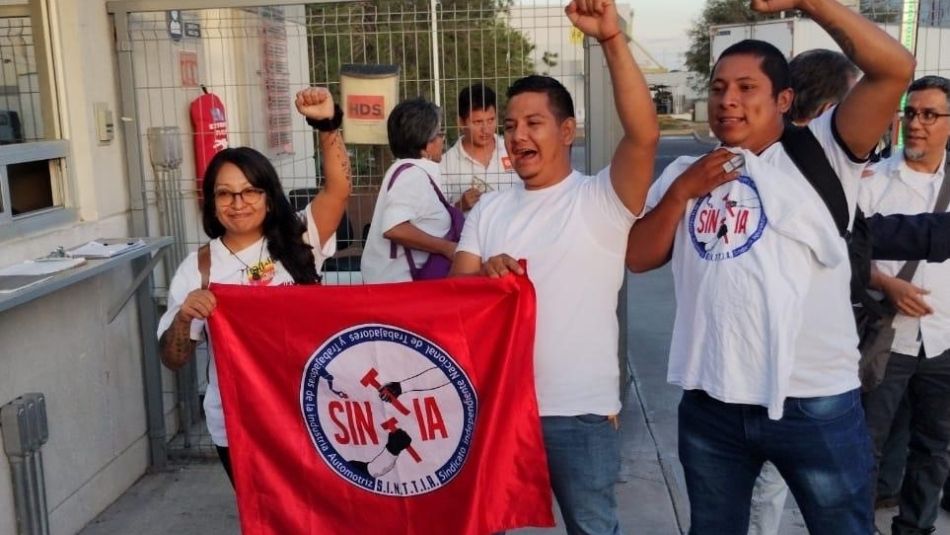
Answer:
(672, 147)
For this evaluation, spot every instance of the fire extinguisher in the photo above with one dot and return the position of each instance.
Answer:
(210, 125)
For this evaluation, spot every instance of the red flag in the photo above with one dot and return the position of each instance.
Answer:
(397, 408)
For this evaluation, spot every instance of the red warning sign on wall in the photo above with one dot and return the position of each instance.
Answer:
(188, 63)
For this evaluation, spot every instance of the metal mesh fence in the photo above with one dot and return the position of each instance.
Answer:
(932, 36)
(932, 13)
(255, 59)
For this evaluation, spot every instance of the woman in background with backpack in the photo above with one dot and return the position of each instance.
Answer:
(414, 229)
(256, 239)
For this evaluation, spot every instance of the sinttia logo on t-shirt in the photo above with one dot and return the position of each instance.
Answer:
(727, 222)
(387, 410)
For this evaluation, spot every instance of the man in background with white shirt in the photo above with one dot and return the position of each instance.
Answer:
(909, 182)
(478, 162)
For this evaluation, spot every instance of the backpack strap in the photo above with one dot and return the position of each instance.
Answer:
(403, 167)
(204, 265)
(809, 157)
(396, 173)
(807, 154)
(943, 199)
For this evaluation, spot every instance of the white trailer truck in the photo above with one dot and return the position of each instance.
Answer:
(795, 35)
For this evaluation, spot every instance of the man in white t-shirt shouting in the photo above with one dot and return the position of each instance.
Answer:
(919, 366)
(764, 341)
(478, 162)
(572, 230)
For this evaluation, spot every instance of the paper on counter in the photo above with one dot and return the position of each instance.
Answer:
(104, 248)
(42, 266)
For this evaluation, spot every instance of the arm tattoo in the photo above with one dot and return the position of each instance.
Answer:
(840, 37)
(332, 143)
(176, 345)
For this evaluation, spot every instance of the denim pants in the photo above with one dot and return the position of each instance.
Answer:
(584, 465)
(820, 446)
(926, 383)
(890, 467)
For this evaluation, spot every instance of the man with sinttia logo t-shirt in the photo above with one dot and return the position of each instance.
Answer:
(764, 342)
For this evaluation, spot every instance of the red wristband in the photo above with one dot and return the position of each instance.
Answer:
(602, 41)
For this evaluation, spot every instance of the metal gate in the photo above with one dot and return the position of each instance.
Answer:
(254, 55)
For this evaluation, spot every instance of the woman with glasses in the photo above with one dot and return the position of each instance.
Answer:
(414, 229)
(256, 239)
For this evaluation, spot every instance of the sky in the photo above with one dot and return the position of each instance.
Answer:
(660, 26)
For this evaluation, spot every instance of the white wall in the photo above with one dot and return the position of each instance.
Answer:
(61, 345)
(90, 373)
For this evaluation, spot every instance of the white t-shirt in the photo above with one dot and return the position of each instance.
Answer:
(460, 171)
(232, 269)
(824, 355)
(412, 199)
(573, 236)
(740, 292)
(895, 188)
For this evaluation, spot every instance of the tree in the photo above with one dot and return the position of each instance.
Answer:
(715, 12)
(475, 43)
(549, 59)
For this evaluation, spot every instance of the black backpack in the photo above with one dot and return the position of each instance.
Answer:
(809, 156)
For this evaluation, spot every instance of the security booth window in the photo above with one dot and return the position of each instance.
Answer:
(32, 155)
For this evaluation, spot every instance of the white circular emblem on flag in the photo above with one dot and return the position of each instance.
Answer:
(727, 222)
(388, 410)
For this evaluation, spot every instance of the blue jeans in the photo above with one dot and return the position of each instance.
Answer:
(584, 465)
(820, 446)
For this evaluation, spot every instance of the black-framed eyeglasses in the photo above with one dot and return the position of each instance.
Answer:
(248, 196)
(926, 117)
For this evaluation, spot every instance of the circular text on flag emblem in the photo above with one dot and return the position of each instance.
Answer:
(388, 410)
(727, 221)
